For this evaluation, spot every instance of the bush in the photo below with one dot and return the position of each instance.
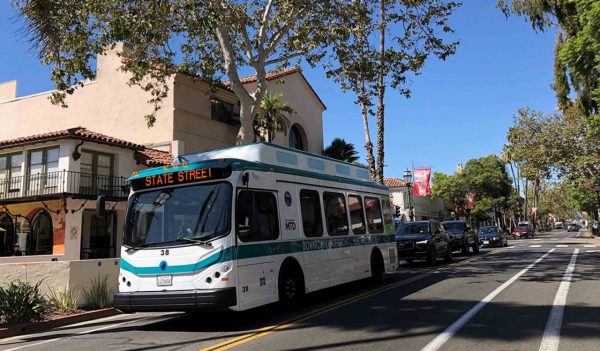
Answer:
(97, 296)
(21, 302)
(63, 301)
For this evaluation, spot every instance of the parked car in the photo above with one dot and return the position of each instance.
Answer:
(461, 237)
(423, 240)
(522, 230)
(492, 236)
(573, 227)
(558, 225)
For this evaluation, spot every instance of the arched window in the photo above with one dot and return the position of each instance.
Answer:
(7, 234)
(40, 240)
(297, 138)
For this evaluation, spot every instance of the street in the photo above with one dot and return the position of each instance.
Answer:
(535, 294)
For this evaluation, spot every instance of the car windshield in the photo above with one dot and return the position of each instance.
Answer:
(488, 230)
(192, 213)
(460, 226)
(523, 227)
(413, 228)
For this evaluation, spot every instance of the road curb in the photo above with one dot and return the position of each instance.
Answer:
(28, 328)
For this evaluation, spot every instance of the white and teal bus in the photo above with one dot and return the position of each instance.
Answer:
(247, 226)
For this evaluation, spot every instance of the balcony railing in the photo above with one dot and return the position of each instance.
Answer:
(63, 182)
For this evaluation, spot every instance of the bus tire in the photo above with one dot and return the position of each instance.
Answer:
(290, 284)
(377, 266)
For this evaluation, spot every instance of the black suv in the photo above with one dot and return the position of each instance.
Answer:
(422, 240)
(461, 237)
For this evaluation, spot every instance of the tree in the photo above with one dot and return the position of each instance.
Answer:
(387, 42)
(271, 117)
(341, 150)
(450, 188)
(577, 49)
(204, 38)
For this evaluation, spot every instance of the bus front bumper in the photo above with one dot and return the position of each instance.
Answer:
(175, 300)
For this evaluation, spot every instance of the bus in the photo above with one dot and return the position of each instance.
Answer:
(246, 226)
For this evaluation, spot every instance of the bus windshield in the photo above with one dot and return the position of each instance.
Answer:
(188, 214)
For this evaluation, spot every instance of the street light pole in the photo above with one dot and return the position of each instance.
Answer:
(408, 182)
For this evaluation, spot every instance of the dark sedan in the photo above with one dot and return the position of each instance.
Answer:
(492, 236)
(573, 227)
(461, 237)
(422, 240)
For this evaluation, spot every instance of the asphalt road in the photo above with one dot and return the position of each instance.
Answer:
(536, 294)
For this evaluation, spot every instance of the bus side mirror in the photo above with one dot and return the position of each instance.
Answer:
(100, 206)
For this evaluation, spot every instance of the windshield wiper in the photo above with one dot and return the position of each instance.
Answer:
(137, 247)
(195, 241)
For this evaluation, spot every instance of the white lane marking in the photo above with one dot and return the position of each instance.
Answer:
(536, 239)
(592, 251)
(535, 245)
(441, 339)
(589, 245)
(554, 239)
(80, 333)
(560, 245)
(511, 247)
(551, 336)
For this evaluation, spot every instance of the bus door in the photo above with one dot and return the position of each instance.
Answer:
(301, 214)
(258, 231)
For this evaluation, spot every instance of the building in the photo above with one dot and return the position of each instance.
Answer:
(424, 207)
(194, 116)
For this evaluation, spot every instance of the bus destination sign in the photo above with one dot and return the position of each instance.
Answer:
(180, 177)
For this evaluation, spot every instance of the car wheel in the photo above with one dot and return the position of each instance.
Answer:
(448, 255)
(506, 242)
(431, 256)
(476, 247)
(465, 248)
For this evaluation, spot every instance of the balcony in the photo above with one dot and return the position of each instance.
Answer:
(85, 185)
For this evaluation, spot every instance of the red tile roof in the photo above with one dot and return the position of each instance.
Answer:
(71, 133)
(394, 183)
(270, 75)
(152, 157)
(143, 155)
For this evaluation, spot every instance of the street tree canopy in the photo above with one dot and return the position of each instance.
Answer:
(203, 38)
(341, 150)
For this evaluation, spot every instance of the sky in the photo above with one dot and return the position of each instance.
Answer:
(459, 109)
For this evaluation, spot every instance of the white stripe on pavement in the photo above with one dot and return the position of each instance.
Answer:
(536, 239)
(592, 251)
(589, 245)
(511, 247)
(562, 245)
(535, 245)
(552, 333)
(441, 339)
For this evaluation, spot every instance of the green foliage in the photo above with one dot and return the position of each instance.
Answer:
(487, 176)
(21, 302)
(578, 47)
(450, 188)
(582, 199)
(271, 117)
(98, 295)
(63, 301)
(341, 150)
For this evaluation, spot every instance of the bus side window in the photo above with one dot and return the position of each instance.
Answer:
(335, 213)
(357, 216)
(310, 206)
(257, 216)
(374, 219)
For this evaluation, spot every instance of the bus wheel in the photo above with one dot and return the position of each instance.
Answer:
(377, 267)
(291, 286)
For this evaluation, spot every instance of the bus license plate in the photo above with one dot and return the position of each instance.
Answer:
(164, 280)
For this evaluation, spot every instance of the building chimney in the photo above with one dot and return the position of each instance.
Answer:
(8, 91)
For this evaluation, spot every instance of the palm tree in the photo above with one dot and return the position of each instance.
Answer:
(271, 117)
(341, 150)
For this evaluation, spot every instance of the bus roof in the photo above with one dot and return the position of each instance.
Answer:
(272, 157)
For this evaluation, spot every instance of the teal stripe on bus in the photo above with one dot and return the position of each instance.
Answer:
(246, 251)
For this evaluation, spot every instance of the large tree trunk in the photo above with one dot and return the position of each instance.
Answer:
(380, 95)
(368, 145)
(246, 133)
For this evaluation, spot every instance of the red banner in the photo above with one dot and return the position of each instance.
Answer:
(421, 182)
(470, 200)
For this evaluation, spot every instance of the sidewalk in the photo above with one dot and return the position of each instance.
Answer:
(27, 328)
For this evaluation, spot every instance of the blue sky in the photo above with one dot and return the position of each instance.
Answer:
(460, 108)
